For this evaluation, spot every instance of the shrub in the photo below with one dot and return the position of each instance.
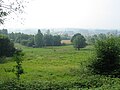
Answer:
(6, 46)
(107, 59)
(18, 57)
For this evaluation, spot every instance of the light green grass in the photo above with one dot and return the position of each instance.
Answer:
(56, 68)
(53, 63)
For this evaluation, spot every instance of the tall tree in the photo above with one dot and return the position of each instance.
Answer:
(48, 39)
(12, 36)
(31, 41)
(18, 38)
(77, 34)
(39, 42)
(56, 40)
(78, 41)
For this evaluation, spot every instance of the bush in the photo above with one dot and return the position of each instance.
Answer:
(18, 57)
(6, 47)
(107, 59)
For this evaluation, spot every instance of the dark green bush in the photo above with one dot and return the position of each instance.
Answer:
(107, 58)
(6, 47)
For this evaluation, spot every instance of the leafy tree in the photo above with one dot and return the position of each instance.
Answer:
(77, 34)
(78, 41)
(24, 39)
(18, 38)
(6, 46)
(107, 59)
(25, 36)
(48, 40)
(39, 39)
(12, 36)
(92, 39)
(102, 36)
(31, 41)
(56, 40)
(27, 40)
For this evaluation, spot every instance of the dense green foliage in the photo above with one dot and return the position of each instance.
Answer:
(78, 41)
(55, 68)
(107, 59)
(92, 39)
(39, 42)
(56, 40)
(6, 46)
(74, 36)
(48, 40)
(18, 58)
(24, 39)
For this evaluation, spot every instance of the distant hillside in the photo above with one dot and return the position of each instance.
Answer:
(69, 31)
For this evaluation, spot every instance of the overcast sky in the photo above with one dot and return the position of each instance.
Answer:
(89, 14)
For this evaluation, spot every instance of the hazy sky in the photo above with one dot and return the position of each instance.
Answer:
(70, 14)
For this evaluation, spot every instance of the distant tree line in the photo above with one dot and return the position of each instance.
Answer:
(38, 40)
(4, 32)
(65, 37)
(24, 39)
(46, 39)
(92, 39)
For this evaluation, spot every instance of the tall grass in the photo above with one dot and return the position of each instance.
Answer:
(55, 68)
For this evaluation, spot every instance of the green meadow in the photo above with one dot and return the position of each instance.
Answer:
(55, 68)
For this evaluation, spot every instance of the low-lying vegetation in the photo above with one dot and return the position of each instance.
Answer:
(55, 68)
(107, 57)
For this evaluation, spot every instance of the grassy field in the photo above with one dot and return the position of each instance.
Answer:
(55, 68)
